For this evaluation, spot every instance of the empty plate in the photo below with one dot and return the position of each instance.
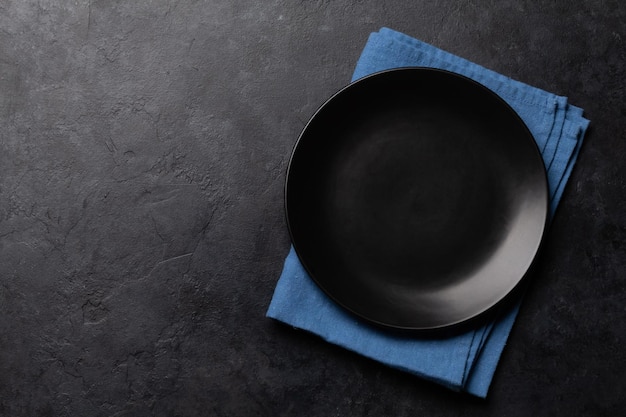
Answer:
(416, 198)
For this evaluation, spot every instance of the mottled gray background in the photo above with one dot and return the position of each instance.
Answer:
(143, 147)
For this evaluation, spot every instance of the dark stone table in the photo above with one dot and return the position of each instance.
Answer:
(143, 153)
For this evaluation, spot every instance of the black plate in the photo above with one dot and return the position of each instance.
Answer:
(416, 198)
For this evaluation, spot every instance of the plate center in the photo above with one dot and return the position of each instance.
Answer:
(416, 201)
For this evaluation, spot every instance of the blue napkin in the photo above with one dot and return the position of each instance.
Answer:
(467, 361)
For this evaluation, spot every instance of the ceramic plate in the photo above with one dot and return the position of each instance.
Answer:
(416, 199)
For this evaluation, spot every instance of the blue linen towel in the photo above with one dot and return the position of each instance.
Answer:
(467, 361)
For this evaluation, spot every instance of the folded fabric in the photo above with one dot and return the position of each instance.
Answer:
(467, 361)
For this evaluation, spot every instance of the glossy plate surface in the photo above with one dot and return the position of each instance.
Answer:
(416, 198)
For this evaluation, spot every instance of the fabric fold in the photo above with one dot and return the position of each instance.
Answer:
(467, 361)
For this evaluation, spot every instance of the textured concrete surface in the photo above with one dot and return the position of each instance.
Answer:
(143, 147)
